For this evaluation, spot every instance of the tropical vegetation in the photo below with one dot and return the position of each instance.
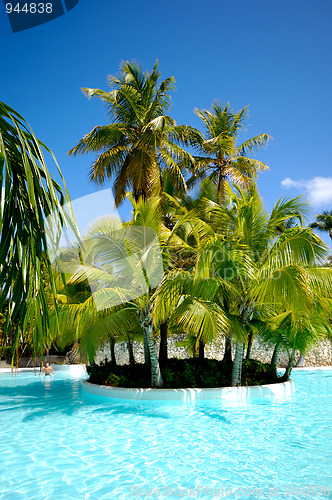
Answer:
(142, 139)
(32, 209)
(220, 158)
(200, 257)
(323, 222)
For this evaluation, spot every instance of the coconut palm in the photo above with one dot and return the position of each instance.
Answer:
(191, 304)
(123, 264)
(323, 222)
(292, 331)
(219, 157)
(28, 196)
(141, 140)
(265, 269)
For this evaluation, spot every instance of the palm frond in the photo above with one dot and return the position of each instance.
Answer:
(253, 144)
(31, 195)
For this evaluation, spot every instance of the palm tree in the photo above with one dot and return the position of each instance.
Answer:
(240, 251)
(265, 268)
(141, 139)
(299, 330)
(323, 222)
(219, 156)
(123, 265)
(28, 196)
(190, 302)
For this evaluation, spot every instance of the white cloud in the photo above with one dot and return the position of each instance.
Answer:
(318, 189)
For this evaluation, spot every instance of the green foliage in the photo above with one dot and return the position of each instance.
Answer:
(219, 157)
(141, 139)
(255, 372)
(28, 195)
(6, 352)
(323, 222)
(106, 373)
(113, 380)
(23, 349)
(186, 373)
(195, 373)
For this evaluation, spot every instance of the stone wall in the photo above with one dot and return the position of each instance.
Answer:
(28, 362)
(320, 355)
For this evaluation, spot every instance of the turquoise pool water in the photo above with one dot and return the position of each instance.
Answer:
(58, 442)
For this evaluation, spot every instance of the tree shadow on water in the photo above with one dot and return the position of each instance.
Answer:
(39, 398)
(42, 398)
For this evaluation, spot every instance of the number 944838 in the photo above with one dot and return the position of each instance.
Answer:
(29, 8)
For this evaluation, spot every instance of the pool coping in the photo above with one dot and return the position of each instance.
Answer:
(242, 393)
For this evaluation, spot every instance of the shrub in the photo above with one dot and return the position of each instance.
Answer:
(255, 372)
(186, 373)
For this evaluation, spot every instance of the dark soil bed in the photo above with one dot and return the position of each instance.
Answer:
(183, 373)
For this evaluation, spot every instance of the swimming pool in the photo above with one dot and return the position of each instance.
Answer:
(59, 442)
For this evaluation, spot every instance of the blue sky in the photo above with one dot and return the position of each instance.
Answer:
(273, 55)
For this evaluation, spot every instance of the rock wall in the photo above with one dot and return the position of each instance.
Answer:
(320, 355)
(28, 362)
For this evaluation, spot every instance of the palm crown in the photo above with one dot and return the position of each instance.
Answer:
(141, 139)
(323, 222)
(220, 158)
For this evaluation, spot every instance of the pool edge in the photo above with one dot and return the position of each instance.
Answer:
(242, 393)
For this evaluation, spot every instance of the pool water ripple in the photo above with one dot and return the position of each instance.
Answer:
(58, 442)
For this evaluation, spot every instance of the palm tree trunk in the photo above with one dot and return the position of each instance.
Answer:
(201, 352)
(289, 367)
(74, 354)
(147, 361)
(163, 351)
(146, 323)
(112, 351)
(237, 366)
(130, 352)
(275, 355)
(300, 361)
(221, 186)
(250, 341)
(228, 350)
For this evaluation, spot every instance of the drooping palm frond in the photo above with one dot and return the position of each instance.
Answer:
(297, 246)
(106, 328)
(323, 222)
(253, 144)
(203, 319)
(28, 196)
(286, 212)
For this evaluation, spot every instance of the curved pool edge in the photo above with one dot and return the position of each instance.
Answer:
(279, 390)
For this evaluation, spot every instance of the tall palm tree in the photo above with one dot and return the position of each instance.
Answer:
(141, 140)
(28, 195)
(219, 157)
(260, 269)
(323, 222)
